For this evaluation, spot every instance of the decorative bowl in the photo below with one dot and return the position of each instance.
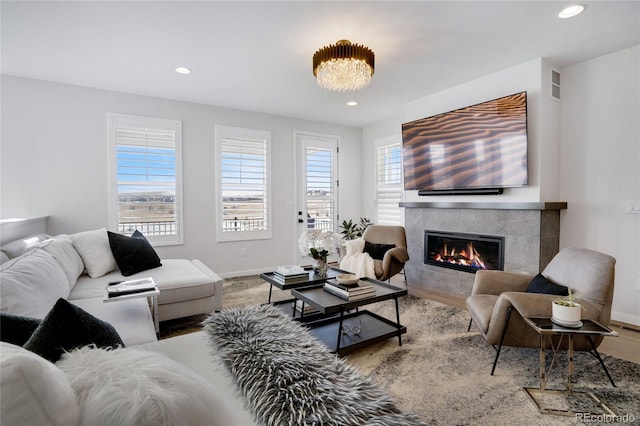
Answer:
(347, 279)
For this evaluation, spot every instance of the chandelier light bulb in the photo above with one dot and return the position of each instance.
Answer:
(343, 67)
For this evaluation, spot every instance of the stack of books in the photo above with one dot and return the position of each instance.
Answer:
(308, 309)
(290, 275)
(121, 288)
(349, 292)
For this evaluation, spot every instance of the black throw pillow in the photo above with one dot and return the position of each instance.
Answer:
(67, 327)
(15, 329)
(377, 251)
(540, 284)
(133, 254)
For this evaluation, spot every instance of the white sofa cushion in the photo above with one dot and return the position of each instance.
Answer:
(33, 391)
(93, 247)
(199, 359)
(131, 318)
(177, 279)
(31, 284)
(134, 387)
(180, 280)
(61, 248)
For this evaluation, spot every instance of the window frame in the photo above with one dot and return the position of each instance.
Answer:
(117, 121)
(386, 143)
(239, 133)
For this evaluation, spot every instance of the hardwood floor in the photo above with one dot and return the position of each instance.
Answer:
(625, 346)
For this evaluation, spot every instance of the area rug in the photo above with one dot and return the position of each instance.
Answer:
(288, 378)
(442, 372)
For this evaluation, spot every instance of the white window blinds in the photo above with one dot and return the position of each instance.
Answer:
(243, 182)
(320, 187)
(145, 169)
(389, 190)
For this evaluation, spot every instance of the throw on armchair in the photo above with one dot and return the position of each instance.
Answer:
(380, 253)
(496, 294)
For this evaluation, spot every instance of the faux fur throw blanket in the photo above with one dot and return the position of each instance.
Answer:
(356, 260)
(287, 377)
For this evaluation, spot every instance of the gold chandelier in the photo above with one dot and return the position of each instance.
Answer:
(343, 66)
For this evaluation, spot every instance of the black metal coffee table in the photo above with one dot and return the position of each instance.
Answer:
(345, 331)
(314, 278)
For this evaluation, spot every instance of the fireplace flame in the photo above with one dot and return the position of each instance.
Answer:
(465, 257)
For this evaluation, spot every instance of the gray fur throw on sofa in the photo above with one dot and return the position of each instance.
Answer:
(287, 377)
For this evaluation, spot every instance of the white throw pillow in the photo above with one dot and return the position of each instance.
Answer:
(61, 248)
(33, 391)
(135, 387)
(31, 284)
(94, 248)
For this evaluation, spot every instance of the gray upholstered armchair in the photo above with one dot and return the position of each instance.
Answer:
(499, 299)
(394, 259)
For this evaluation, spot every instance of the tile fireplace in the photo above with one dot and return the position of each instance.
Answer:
(531, 233)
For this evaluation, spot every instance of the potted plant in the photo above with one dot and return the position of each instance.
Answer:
(351, 231)
(566, 311)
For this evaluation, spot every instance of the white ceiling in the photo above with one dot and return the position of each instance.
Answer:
(256, 55)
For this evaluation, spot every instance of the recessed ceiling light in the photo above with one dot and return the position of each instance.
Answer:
(571, 11)
(352, 103)
(183, 70)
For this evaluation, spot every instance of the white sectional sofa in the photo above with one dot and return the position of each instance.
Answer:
(248, 366)
(37, 270)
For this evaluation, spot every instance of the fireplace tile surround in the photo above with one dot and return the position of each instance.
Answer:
(531, 232)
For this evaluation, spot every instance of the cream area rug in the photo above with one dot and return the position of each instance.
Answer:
(442, 372)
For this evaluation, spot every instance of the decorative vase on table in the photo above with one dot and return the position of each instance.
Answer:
(321, 266)
(318, 244)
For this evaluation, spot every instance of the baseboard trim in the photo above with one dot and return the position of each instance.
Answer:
(630, 327)
(631, 322)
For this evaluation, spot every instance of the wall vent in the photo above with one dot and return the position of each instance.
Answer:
(555, 85)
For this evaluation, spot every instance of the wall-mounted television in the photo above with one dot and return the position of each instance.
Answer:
(479, 147)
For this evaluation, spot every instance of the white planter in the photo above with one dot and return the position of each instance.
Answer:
(568, 314)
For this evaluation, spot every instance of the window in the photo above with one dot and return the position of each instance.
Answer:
(389, 189)
(243, 184)
(145, 168)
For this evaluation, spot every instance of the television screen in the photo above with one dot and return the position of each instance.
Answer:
(479, 146)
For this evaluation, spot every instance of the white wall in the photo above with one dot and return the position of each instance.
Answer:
(600, 171)
(54, 162)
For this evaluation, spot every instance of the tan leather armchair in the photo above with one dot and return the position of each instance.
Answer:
(498, 300)
(395, 258)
